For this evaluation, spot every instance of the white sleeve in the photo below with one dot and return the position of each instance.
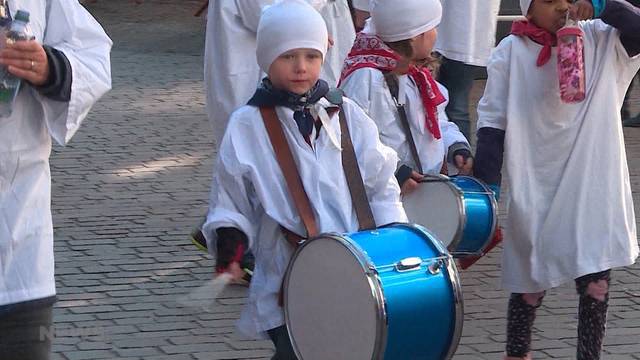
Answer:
(250, 12)
(377, 164)
(231, 198)
(492, 108)
(73, 31)
(367, 88)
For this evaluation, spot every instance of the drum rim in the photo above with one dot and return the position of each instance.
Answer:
(456, 284)
(494, 221)
(374, 283)
(457, 237)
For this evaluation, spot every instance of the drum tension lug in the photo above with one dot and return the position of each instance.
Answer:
(434, 267)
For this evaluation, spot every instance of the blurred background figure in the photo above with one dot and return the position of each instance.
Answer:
(466, 36)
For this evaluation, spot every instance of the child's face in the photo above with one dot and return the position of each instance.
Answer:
(296, 70)
(549, 14)
(423, 45)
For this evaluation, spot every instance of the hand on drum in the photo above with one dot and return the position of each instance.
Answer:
(465, 166)
(411, 183)
(26, 60)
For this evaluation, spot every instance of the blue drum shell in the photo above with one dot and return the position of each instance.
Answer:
(423, 309)
(480, 211)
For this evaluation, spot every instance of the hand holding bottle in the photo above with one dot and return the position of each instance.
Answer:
(26, 60)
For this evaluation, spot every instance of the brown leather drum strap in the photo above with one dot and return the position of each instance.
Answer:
(392, 83)
(354, 178)
(289, 170)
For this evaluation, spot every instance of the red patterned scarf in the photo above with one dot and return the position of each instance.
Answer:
(537, 34)
(369, 51)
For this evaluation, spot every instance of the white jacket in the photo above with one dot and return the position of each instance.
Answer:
(570, 207)
(26, 230)
(249, 193)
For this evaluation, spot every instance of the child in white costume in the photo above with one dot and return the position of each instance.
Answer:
(437, 140)
(570, 209)
(250, 202)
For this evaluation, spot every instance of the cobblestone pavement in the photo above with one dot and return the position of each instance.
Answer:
(134, 181)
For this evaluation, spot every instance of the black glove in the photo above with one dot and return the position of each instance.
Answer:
(230, 247)
(403, 174)
(465, 153)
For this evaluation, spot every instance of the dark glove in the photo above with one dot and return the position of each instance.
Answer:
(403, 174)
(465, 153)
(230, 247)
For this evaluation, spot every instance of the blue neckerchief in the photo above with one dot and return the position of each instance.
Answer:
(267, 95)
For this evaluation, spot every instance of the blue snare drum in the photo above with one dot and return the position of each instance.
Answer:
(392, 293)
(460, 211)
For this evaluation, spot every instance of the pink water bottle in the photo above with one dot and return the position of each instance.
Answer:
(571, 62)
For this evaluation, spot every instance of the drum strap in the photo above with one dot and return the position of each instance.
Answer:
(354, 178)
(392, 82)
(289, 170)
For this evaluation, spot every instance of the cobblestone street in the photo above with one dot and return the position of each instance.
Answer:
(134, 181)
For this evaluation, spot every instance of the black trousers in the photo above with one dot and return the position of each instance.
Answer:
(26, 330)
(280, 338)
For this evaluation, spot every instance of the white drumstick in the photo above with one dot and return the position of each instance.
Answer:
(204, 296)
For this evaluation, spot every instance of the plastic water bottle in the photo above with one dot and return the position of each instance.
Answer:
(10, 84)
(571, 74)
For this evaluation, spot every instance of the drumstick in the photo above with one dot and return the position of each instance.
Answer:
(204, 297)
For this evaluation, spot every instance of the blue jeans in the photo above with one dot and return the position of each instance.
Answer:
(458, 78)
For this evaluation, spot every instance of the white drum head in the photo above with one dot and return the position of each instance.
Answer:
(437, 205)
(330, 307)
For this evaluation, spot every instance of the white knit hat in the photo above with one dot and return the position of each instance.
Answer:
(288, 25)
(524, 6)
(397, 20)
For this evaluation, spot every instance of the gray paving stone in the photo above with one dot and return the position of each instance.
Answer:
(134, 181)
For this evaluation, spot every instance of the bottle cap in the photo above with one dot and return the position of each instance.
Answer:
(22, 15)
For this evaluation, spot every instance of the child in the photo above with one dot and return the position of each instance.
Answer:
(231, 72)
(250, 203)
(570, 210)
(230, 69)
(389, 46)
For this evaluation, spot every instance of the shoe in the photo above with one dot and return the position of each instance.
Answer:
(198, 239)
(632, 122)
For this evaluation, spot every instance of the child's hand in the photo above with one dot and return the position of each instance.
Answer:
(408, 187)
(581, 10)
(411, 183)
(464, 165)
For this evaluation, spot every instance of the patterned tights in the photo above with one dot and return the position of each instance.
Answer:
(592, 318)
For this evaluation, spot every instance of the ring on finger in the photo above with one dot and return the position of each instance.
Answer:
(32, 65)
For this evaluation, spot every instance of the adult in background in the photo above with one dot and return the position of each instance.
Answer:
(65, 70)
(360, 13)
(466, 36)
